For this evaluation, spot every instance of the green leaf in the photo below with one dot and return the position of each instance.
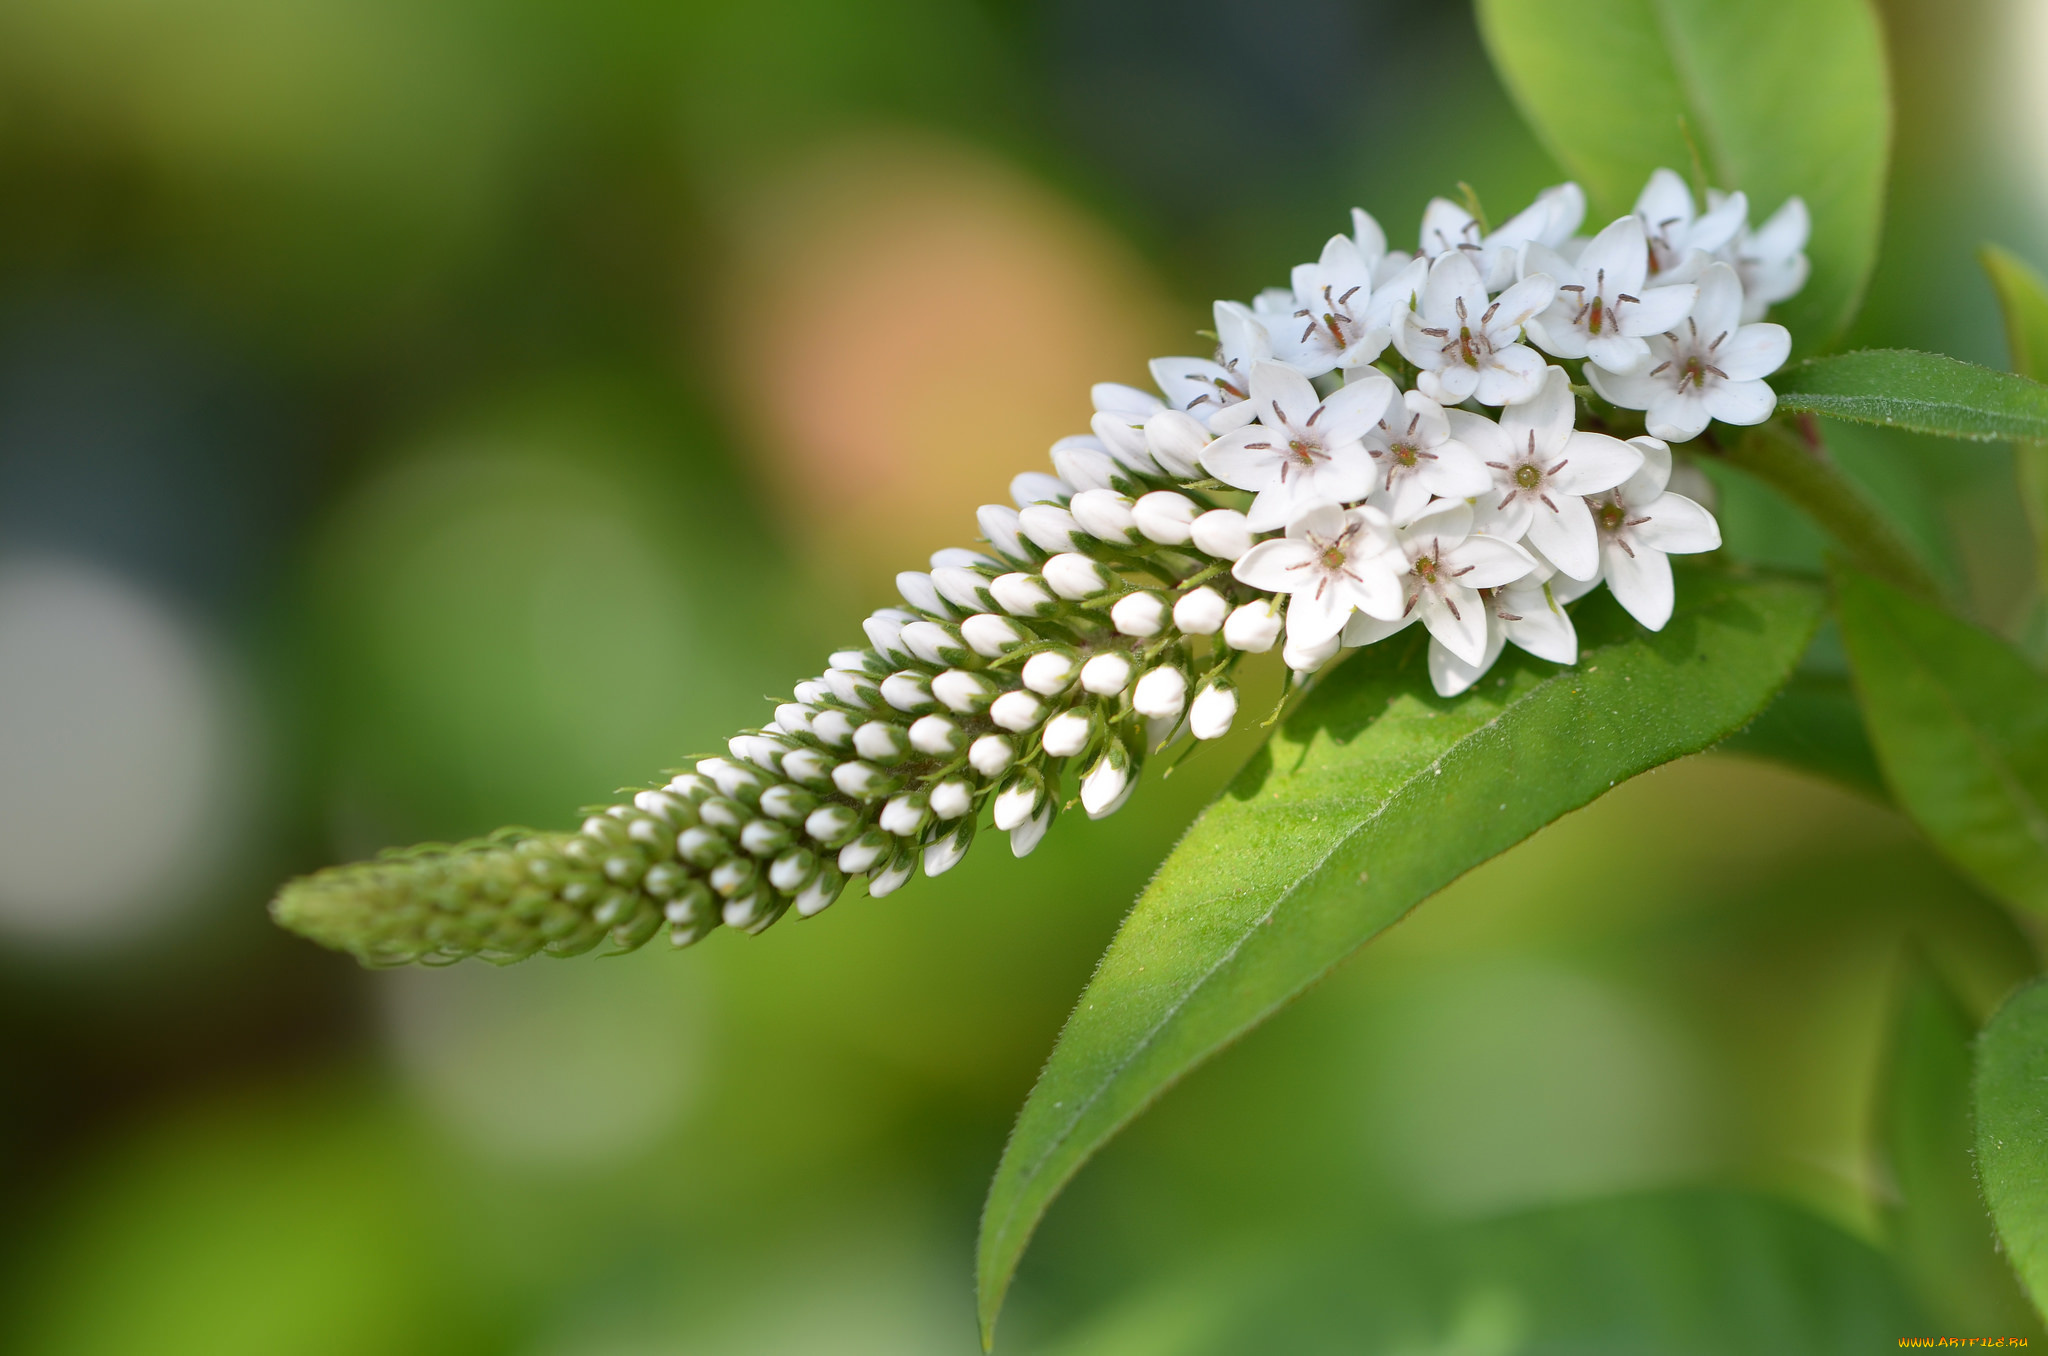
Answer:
(2023, 298)
(1960, 721)
(2012, 1132)
(1372, 797)
(1923, 392)
(1814, 725)
(1779, 97)
(1939, 1227)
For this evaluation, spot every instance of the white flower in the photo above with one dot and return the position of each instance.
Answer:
(1550, 220)
(1528, 613)
(1372, 247)
(1466, 345)
(1542, 467)
(1331, 327)
(1641, 526)
(1681, 242)
(1306, 451)
(1415, 456)
(1333, 561)
(1603, 310)
(1215, 390)
(1712, 367)
(1447, 564)
(1771, 260)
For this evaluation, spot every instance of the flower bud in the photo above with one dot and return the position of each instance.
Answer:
(1252, 628)
(865, 851)
(793, 870)
(1083, 465)
(880, 743)
(831, 825)
(1124, 440)
(1223, 533)
(907, 691)
(1105, 675)
(1031, 832)
(999, 524)
(991, 755)
(918, 590)
(809, 766)
(763, 751)
(720, 813)
(965, 588)
(765, 837)
(703, 847)
(990, 636)
(787, 803)
(754, 911)
(885, 633)
(1036, 487)
(904, 815)
(733, 875)
(1018, 711)
(894, 876)
(936, 735)
(664, 879)
(1049, 671)
(862, 781)
(825, 887)
(738, 783)
(952, 798)
(1165, 517)
(835, 728)
(855, 689)
(1175, 439)
(934, 643)
(1309, 658)
(945, 854)
(1106, 515)
(958, 558)
(1022, 595)
(1139, 614)
(867, 661)
(794, 717)
(1050, 527)
(1160, 693)
(1105, 786)
(959, 690)
(1067, 733)
(811, 692)
(1073, 575)
(1199, 613)
(1018, 799)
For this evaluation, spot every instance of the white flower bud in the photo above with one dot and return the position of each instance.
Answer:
(933, 643)
(1105, 514)
(999, 524)
(1049, 671)
(966, 589)
(1164, 516)
(1018, 801)
(829, 824)
(793, 870)
(860, 660)
(864, 851)
(952, 798)
(740, 783)
(808, 765)
(1022, 595)
(760, 750)
(935, 735)
(1018, 711)
(1223, 533)
(1036, 487)
(1161, 693)
(1073, 575)
(1215, 707)
(824, 888)
(1139, 614)
(1175, 439)
(879, 742)
(1066, 734)
(1252, 628)
(1031, 833)
(921, 593)
(855, 689)
(959, 690)
(794, 717)
(764, 837)
(904, 815)
(834, 727)
(1050, 527)
(990, 636)
(860, 780)
(991, 755)
(1309, 658)
(783, 801)
(811, 692)
(893, 877)
(885, 633)
(1105, 675)
(1114, 395)
(1199, 613)
(1124, 439)
(1083, 464)
(1106, 786)
(733, 875)
(944, 855)
(907, 691)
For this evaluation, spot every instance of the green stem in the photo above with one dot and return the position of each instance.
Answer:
(1794, 462)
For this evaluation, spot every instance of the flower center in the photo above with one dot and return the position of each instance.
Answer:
(1425, 569)
(1404, 454)
(1304, 452)
(1333, 557)
(1611, 516)
(1528, 476)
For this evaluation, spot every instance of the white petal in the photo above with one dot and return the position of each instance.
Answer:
(1111, 395)
(1372, 241)
(1448, 520)
(1450, 675)
(1283, 502)
(1617, 352)
(1620, 255)
(1676, 416)
(1514, 374)
(1457, 617)
(1517, 304)
(1548, 414)
(1355, 407)
(1652, 476)
(1445, 226)
(1635, 390)
(1250, 458)
(1641, 583)
(1275, 386)
(1408, 497)
(1566, 536)
(1451, 386)
(1718, 308)
(1457, 472)
(1739, 402)
(1277, 566)
(1374, 588)
(1397, 296)
(1784, 234)
(1036, 487)
(1315, 615)
(1594, 462)
(1656, 310)
(1754, 351)
(1504, 521)
(1678, 527)
(1487, 440)
(1536, 257)
(1454, 278)
(1665, 198)
(1720, 224)
(1554, 332)
(1542, 626)
(1483, 562)
(1191, 382)
(1365, 629)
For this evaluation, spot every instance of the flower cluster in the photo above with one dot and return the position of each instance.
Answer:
(1390, 440)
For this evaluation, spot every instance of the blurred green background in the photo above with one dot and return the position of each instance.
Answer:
(416, 417)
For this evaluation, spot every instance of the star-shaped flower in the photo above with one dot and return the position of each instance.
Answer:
(1466, 345)
(1415, 457)
(1306, 450)
(1550, 220)
(1641, 526)
(1214, 389)
(1330, 326)
(1333, 562)
(1711, 367)
(1771, 260)
(1444, 564)
(1603, 310)
(1542, 469)
(1681, 238)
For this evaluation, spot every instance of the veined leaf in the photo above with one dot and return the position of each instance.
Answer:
(2012, 1132)
(1778, 96)
(1373, 796)
(1960, 721)
(1924, 392)
(1939, 1227)
(2023, 297)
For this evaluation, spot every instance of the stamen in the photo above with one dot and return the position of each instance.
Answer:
(1660, 367)
(1546, 501)
(1559, 467)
